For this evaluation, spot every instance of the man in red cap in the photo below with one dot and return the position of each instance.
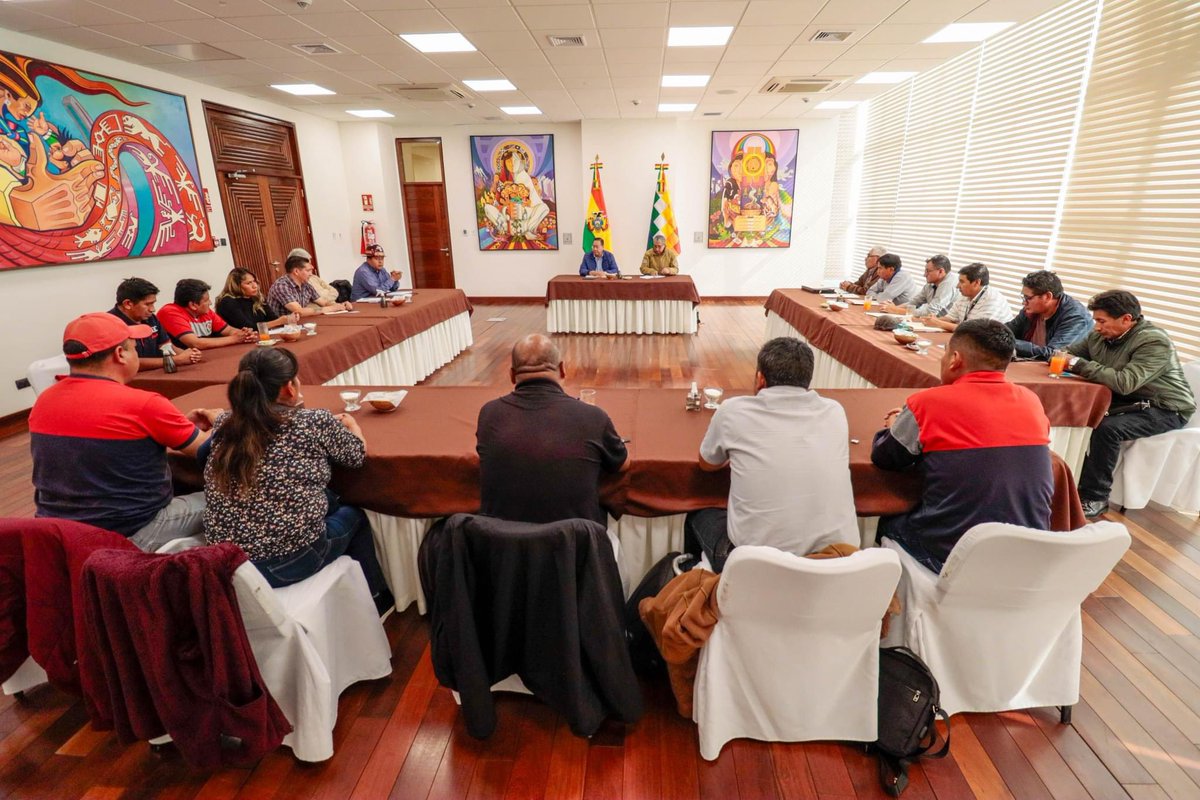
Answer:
(99, 446)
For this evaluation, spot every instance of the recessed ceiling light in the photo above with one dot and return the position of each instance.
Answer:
(673, 81)
(370, 113)
(885, 77)
(967, 32)
(698, 37)
(517, 111)
(304, 89)
(500, 85)
(676, 106)
(439, 42)
(830, 105)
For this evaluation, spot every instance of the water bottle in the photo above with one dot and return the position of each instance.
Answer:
(692, 402)
(168, 353)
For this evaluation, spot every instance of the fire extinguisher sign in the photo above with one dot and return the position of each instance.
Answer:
(368, 202)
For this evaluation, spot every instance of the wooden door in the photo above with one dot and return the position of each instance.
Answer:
(425, 215)
(262, 189)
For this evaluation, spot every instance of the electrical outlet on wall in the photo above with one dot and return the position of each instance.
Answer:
(567, 238)
(698, 237)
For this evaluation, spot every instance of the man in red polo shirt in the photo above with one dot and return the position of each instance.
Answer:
(100, 447)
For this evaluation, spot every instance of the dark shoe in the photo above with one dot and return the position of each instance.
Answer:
(1094, 508)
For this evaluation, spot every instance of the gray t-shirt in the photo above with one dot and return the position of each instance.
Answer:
(789, 454)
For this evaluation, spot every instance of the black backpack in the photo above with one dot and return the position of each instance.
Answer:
(908, 709)
(642, 650)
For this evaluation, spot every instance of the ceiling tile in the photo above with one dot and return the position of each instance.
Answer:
(1010, 10)
(630, 15)
(625, 69)
(79, 12)
(208, 30)
(880, 52)
(757, 35)
(468, 20)
(138, 33)
(464, 3)
(655, 38)
(854, 67)
(576, 55)
(558, 16)
(815, 52)
(782, 12)
(856, 11)
(582, 71)
(338, 25)
(239, 8)
(707, 14)
(510, 59)
(900, 33)
(376, 44)
(138, 55)
(599, 84)
(748, 53)
(642, 56)
(287, 63)
(275, 26)
(158, 11)
(748, 69)
(797, 68)
(81, 37)
(639, 82)
(417, 21)
(489, 42)
(933, 10)
(939, 51)
(396, 5)
(18, 19)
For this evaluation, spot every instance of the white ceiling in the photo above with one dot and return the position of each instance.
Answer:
(616, 75)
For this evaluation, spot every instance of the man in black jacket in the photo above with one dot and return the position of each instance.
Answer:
(541, 452)
(1049, 320)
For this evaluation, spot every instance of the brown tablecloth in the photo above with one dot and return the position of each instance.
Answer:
(427, 308)
(575, 287)
(850, 338)
(421, 459)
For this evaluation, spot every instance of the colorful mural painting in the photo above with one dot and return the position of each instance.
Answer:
(93, 168)
(515, 207)
(752, 180)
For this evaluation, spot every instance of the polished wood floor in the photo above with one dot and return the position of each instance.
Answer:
(1135, 732)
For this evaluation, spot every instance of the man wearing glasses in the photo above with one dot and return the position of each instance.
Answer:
(371, 279)
(1049, 320)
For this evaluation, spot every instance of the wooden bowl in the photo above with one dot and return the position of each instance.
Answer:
(291, 336)
(905, 337)
(834, 305)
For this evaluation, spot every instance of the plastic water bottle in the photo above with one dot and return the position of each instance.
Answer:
(168, 353)
(692, 402)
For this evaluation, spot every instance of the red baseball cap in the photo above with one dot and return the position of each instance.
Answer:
(97, 332)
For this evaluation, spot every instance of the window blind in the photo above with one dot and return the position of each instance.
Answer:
(838, 260)
(882, 156)
(1131, 215)
(1022, 129)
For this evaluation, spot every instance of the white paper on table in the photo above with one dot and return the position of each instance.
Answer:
(919, 327)
(651, 277)
(876, 313)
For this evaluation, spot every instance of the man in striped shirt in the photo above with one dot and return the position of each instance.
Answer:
(977, 300)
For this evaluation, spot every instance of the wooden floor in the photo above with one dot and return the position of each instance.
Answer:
(1135, 732)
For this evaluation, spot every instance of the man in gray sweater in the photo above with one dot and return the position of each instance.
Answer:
(1137, 361)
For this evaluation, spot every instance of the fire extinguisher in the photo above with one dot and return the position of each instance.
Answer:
(368, 238)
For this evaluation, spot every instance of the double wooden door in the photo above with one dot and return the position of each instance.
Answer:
(262, 189)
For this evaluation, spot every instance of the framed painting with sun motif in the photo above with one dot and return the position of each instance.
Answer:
(752, 180)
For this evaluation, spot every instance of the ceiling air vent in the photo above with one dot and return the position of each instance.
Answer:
(318, 49)
(831, 36)
(799, 85)
(566, 41)
(712, 113)
(425, 92)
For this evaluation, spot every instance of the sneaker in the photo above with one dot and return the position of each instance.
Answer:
(1094, 508)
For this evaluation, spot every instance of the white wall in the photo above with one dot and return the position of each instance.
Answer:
(629, 150)
(39, 302)
(369, 158)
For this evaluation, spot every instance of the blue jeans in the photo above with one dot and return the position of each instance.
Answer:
(347, 532)
(911, 544)
(706, 531)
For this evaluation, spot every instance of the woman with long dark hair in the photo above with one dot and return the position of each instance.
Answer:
(267, 478)
(242, 305)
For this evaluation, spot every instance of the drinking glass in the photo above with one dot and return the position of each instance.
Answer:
(867, 304)
(588, 396)
(712, 396)
(1058, 363)
(923, 346)
(350, 397)
(310, 328)
(264, 331)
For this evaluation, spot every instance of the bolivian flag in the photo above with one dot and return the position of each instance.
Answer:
(595, 225)
(662, 216)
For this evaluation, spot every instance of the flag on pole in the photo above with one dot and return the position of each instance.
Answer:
(595, 225)
(662, 216)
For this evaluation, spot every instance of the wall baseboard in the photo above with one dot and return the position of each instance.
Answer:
(741, 300)
(14, 424)
(509, 301)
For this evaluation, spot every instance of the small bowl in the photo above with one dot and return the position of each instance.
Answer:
(834, 305)
(905, 337)
(291, 336)
(385, 402)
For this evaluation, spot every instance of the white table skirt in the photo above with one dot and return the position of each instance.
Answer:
(643, 541)
(621, 316)
(828, 373)
(414, 359)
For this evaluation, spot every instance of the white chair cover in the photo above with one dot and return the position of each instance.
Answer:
(41, 373)
(1000, 627)
(1165, 468)
(27, 676)
(795, 655)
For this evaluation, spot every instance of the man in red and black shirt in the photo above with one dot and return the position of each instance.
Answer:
(981, 442)
(99, 446)
(191, 322)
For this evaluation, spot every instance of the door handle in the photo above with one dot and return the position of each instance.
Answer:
(446, 250)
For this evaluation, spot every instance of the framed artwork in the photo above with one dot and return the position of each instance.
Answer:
(751, 183)
(93, 168)
(515, 206)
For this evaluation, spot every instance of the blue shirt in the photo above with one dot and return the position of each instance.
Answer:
(608, 263)
(369, 282)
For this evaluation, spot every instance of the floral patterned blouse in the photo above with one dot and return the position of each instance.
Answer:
(286, 510)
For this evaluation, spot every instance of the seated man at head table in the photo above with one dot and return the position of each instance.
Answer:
(936, 296)
(891, 284)
(976, 300)
(789, 457)
(292, 294)
(135, 306)
(867, 279)
(191, 321)
(598, 262)
(372, 279)
(1049, 319)
(541, 453)
(660, 259)
(100, 447)
(1137, 361)
(981, 443)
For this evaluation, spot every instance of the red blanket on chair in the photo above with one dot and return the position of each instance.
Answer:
(169, 638)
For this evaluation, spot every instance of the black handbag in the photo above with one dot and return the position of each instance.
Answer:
(908, 709)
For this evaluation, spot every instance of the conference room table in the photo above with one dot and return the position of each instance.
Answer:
(370, 346)
(851, 354)
(629, 304)
(421, 465)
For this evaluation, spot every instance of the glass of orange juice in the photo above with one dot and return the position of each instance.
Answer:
(264, 332)
(867, 304)
(1058, 363)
